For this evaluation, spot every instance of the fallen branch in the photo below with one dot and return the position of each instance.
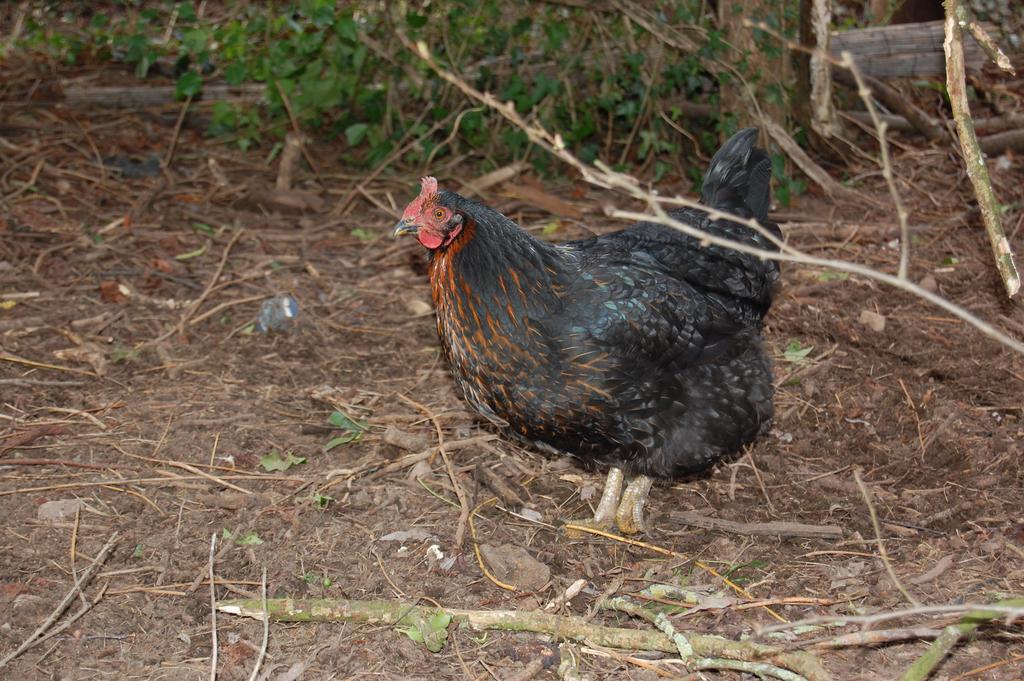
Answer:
(572, 628)
(947, 640)
(912, 116)
(956, 85)
(999, 142)
(807, 165)
(1011, 609)
(780, 529)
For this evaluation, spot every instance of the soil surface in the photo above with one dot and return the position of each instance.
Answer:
(137, 399)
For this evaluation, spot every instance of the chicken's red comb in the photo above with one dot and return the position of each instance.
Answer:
(428, 186)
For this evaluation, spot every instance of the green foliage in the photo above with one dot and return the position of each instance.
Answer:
(275, 462)
(609, 86)
(352, 429)
(795, 352)
(430, 631)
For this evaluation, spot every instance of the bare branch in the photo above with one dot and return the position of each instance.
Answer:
(603, 176)
(956, 85)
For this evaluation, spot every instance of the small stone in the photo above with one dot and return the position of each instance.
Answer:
(59, 510)
(928, 283)
(514, 564)
(872, 320)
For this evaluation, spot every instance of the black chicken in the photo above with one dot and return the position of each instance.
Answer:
(640, 349)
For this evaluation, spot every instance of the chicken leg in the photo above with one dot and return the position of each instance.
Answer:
(625, 508)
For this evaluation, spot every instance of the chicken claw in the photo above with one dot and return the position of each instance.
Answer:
(625, 509)
(608, 507)
(630, 516)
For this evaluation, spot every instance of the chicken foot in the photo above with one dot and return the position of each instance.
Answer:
(608, 507)
(630, 516)
(624, 508)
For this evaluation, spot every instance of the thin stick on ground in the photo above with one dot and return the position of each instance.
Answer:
(266, 629)
(565, 627)
(573, 527)
(173, 146)
(460, 532)
(40, 634)
(1011, 609)
(476, 549)
(977, 171)
(194, 307)
(213, 610)
(866, 494)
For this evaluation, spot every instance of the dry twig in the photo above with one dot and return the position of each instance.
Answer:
(213, 610)
(40, 634)
(866, 494)
(956, 85)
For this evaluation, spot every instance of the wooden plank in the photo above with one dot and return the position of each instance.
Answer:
(908, 50)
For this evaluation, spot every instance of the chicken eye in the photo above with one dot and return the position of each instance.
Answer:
(439, 214)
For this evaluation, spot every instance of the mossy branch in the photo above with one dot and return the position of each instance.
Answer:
(950, 636)
(956, 84)
(564, 627)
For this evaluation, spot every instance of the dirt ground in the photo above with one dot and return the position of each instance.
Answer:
(136, 399)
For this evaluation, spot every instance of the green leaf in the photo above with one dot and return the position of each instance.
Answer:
(795, 352)
(249, 539)
(363, 235)
(322, 500)
(342, 440)
(273, 461)
(431, 632)
(192, 254)
(416, 20)
(412, 632)
(189, 85)
(235, 73)
(195, 40)
(355, 133)
(186, 12)
(829, 275)
(346, 28)
(341, 420)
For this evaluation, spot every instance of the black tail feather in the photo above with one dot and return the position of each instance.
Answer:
(739, 176)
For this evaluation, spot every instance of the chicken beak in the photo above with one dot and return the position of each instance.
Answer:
(405, 227)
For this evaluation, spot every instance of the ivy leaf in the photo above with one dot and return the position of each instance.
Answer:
(430, 631)
(189, 85)
(235, 73)
(355, 133)
(341, 440)
(273, 461)
(249, 539)
(341, 420)
(795, 352)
